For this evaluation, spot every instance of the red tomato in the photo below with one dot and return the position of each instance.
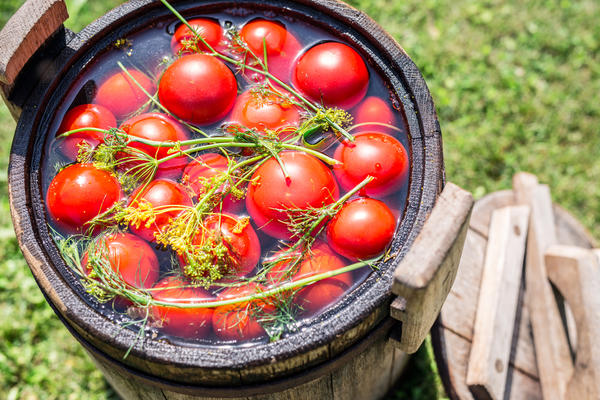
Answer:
(159, 193)
(208, 29)
(198, 173)
(376, 154)
(120, 94)
(319, 295)
(161, 128)
(84, 116)
(183, 322)
(362, 229)
(310, 185)
(238, 236)
(374, 109)
(128, 255)
(282, 47)
(332, 73)
(78, 193)
(239, 321)
(257, 111)
(198, 88)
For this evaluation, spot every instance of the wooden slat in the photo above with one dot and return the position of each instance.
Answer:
(550, 340)
(425, 275)
(25, 32)
(576, 273)
(497, 306)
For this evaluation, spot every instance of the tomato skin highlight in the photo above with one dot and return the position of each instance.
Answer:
(237, 321)
(362, 229)
(332, 73)
(208, 29)
(129, 256)
(310, 185)
(281, 45)
(373, 109)
(205, 166)
(161, 128)
(78, 193)
(159, 193)
(198, 88)
(84, 116)
(120, 94)
(376, 154)
(243, 246)
(192, 323)
(256, 111)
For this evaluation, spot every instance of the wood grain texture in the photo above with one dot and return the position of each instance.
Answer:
(576, 273)
(550, 339)
(25, 32)
(425, 275)
(452, 333)
(497, 305)
(369, 375)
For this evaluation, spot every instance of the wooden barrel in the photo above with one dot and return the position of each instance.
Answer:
(342, 353)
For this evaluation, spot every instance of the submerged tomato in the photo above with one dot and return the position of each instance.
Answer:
(376, 154)
(198, 88)
(258, 111)
(84, 116)
(129, 256)
(198, 174)
(238, 237)
(282, 46)
(161, 128)
(362, 229)
(190, 323)
(333, 74)
(78, 193)
(121, 95)
(374, 109)
(319, 295)
(240, 321)
(166, 197)
(208, 29)
(271, 197)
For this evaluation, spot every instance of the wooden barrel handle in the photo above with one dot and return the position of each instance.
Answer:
(425, 275)
(576, 274)
(25, 32)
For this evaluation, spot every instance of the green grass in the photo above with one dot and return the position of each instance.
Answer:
(515, 85)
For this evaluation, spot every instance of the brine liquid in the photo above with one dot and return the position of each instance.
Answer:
(149, 51)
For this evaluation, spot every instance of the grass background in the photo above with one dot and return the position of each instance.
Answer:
(516, 85)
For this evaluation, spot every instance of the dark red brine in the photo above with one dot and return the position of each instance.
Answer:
(226, 183)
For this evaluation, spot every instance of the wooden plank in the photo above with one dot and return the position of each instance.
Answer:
(425, 275)
(497, 306)
(576, 273)
(25, 32)
(484, 207)
(550, 340)
(456, 349)
(458, 313)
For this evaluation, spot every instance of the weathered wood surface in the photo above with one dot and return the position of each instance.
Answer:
(497, 305)
(370, 375)
(23, 35)
(25, 32)
(550, 338)
(425, 275)
(576, 273)
(452, 334)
